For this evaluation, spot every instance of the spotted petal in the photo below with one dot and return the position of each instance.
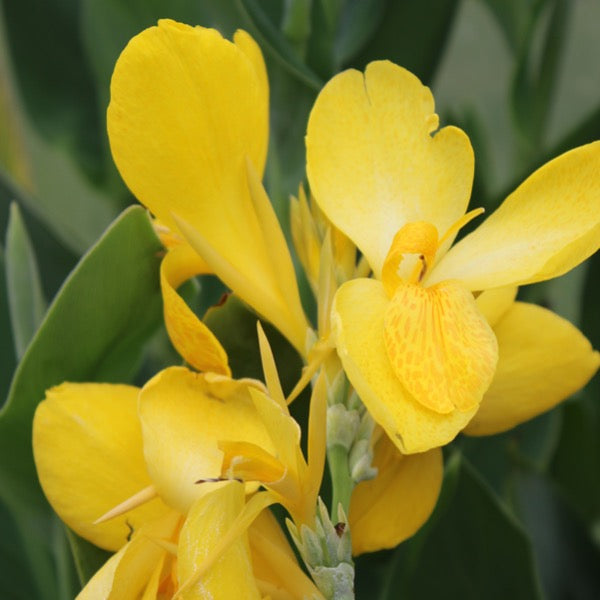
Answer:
(358, 323)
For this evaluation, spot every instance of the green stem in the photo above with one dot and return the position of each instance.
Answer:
(341, 481)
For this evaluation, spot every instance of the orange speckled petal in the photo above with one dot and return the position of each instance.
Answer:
(439, 345)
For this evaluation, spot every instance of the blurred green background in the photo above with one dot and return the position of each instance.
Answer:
(519, 515)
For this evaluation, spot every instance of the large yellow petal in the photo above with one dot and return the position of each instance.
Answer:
(87, 446)
(358, 323)
(388, 509)
(191, 337)
(208, 521)
(547, 226)
(187, 107)
(372, 163)
(188, 128)
(543, 360)
(494, 303)
(183, 416)
(439, 345)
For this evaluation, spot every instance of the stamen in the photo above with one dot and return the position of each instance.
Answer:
(136, 500)
(456, 227)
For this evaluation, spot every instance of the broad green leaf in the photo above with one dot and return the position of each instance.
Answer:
(565, 553)
(93, 331)
(411, 34)
(25, 295)
(471, 548)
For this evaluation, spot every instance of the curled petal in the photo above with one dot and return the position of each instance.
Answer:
(358, 322)
(183, 416)
(87, 446)
(388, 509)
(543, 360)
(191, 337)
(374, 166)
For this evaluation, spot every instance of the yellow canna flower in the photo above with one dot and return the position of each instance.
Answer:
(188, 130)
(413, 341)
(122, 447)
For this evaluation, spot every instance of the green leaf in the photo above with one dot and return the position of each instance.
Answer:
(411, 34)
(53, 75)
(7, 353)
(565, 553)
(25, 296)
(272, 40)
(234, 324)
(88, 558)
(470, 548)
(94, 331)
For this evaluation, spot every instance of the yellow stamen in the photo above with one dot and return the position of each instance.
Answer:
(456, 227)
(134, 501)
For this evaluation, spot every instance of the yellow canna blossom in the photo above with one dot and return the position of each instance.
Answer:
(414, 341)
(123, 475)
(188, 130)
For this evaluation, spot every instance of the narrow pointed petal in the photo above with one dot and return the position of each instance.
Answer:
(183, 416)
(317, 437)
(95, 461)
(543, 360)
(208, 521)
(358, 323)
(439, 345)
(390, 508)
(547, 226)
(194, 341)
(277, 572)
(374, 166)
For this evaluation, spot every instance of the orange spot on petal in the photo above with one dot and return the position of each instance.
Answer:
(439, 345)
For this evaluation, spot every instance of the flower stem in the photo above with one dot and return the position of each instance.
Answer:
(341, 480)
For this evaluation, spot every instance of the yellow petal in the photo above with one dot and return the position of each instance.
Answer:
(208, 521)
(128, 573)
(543, 360)
(87, 446)
(183, 416)
(358, 323)
(192, 338)
(390, 508)
(440, 346)
(493, 304)
(276, 569)
(188, 127)
(372, 163)
(547, 226)
(187, 107)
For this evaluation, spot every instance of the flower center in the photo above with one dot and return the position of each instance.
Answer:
(421, 240)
